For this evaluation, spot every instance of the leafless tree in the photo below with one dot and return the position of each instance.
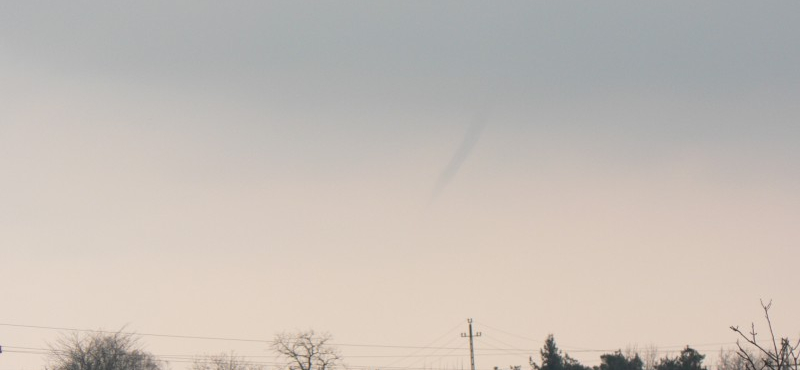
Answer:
(775, 355)
(729, 359)
(631, 351)
(224, 362)
(100, 351)
(307, 350)
(649, 356)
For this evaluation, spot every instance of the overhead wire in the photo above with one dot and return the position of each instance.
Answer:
(504, 353)
(590, 350)
(490, 337)
(428, 345)
(438, 357)
(506, 332)
(201, 358)
(417, 354)
(207, 360)
(267, 341)
(193, 358)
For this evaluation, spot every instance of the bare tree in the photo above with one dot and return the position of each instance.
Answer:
(631, 351)
(730, 359)
(775, 355)
(307, 350)
(100, 351)
(649, 356)
(224, 362)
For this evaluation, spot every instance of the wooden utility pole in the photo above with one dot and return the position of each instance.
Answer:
(471, 348)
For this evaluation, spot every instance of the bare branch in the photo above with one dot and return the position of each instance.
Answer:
(307, 351)
(224, 362)
(779, 357)
(100, 351)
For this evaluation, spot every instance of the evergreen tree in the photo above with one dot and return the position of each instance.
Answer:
(618, 361)
(552, 358)
(689, 359)
(573, 364)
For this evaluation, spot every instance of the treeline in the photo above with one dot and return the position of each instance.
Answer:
(752, 353)
(100, 350)
(552, 358)
(313, 351)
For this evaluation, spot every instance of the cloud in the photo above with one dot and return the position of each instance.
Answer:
(450, 171)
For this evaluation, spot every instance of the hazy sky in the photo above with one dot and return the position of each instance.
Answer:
(613, 173)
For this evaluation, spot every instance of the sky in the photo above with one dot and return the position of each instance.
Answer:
(614, 173)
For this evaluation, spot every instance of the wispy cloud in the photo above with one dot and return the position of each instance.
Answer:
(450, 171)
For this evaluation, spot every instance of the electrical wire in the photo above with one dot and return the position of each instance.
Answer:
(211, 338)
(417, 355)
(428, 345)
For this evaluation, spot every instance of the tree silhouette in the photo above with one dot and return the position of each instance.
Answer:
(224, 362)
(307, 350)
(618, 361)
(689, 359)
(776, 355)
(552, 358)
(100, 351)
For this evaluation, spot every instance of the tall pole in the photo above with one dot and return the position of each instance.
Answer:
(471, 348)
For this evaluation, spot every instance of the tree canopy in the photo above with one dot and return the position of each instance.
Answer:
(553, 359)
(307, 350)
(689, 359)
(100, 351)
(618, 361)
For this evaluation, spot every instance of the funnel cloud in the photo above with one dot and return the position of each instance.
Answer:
(450, 171)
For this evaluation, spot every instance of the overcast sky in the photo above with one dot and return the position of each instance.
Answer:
(613, 173)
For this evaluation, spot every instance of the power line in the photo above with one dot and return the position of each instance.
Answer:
(205, 359)
(231, 339)
(417, 354)
(266, 341)
(436, 350)
(428, 345)
(133, 333)
(573, 349)
(499, 341)
(507, 333)
(245, 356)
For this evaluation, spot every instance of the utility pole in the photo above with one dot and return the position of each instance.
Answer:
(471, 348)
